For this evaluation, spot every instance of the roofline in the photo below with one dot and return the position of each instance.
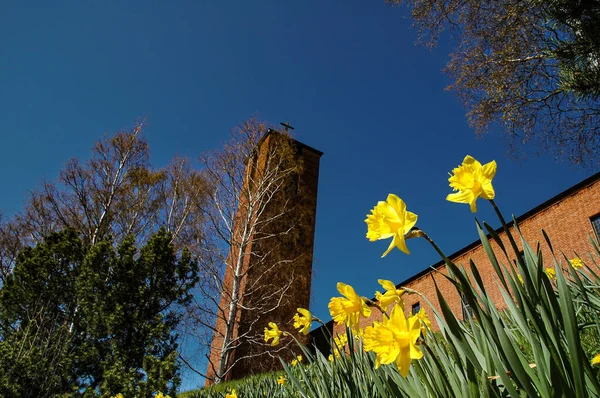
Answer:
(555, 199)
(300, 144)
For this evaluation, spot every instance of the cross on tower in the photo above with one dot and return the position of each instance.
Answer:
(286, 125)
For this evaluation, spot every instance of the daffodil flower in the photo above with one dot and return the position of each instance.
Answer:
(394, 340)
(390, 219)
(391, 295)
(472, 180)
(348, 309)
(232, 394)
(303, 320)
(339, 344)
(576, 262)
(273, 332)
(425, 322)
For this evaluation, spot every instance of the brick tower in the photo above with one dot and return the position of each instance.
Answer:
(277, 263)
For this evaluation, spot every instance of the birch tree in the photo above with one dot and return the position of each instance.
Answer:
(114, 194)
(252, 222)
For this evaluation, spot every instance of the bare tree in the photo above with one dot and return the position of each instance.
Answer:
(115, 193)
(531, 67)
(252, 223)
(10, 246)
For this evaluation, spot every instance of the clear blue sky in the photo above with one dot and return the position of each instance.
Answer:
(346, 74)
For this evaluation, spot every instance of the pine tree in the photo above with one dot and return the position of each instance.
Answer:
(92, 320)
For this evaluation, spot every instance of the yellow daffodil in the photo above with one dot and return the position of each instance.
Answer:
(472, 180)
(596, 360)
(302, 321)
(339, 344)
(119, 395)
(330, 358)
(232, 394)
(520, 278)
(395, 339)
(576, 262)
(390, 219)
(281, 380)
(425, 322)
(391, 295)
(550, 272)
(348, 309)
(273, 333)
(297, 360)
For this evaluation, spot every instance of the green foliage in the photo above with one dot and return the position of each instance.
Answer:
(529, 67)
(539, 345)
(579, 49)
(82, 320)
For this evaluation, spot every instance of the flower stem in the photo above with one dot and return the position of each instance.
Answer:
(372, 303)
(507, 231)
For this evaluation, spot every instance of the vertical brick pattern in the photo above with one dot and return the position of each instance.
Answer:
(567, 224)
(297, 246)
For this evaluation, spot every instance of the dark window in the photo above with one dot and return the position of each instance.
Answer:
(596, 225)
(467, 311)
(416, 307)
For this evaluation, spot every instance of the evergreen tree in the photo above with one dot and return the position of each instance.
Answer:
(79, 320)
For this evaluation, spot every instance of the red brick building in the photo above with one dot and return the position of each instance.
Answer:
(569, 219)
(278, 255)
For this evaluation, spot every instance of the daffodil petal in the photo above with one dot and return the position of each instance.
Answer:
(400, 243)
(459, 197)
(386, 284)
(415, 352)
(469, 159)
(396, 203)
(489, 170)
(411, 220)
(390, 247)
(403, 361)
(488, 190)
(473, 205)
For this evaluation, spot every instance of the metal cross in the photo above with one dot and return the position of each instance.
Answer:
(287, 126)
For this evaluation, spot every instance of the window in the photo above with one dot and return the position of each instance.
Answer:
(467, 311)
(416, 307)
(596, 225)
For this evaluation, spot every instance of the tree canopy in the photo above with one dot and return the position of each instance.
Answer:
(530, 67)
(93, 320)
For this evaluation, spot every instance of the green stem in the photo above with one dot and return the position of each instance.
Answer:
(432, 243)
(507, 232)
(372, 303)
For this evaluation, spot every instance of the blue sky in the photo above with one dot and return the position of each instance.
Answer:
(346, 74)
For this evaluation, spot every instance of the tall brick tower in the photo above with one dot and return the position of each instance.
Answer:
(277, 263)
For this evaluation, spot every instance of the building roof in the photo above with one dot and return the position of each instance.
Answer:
(298, 143)
(555, 199)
